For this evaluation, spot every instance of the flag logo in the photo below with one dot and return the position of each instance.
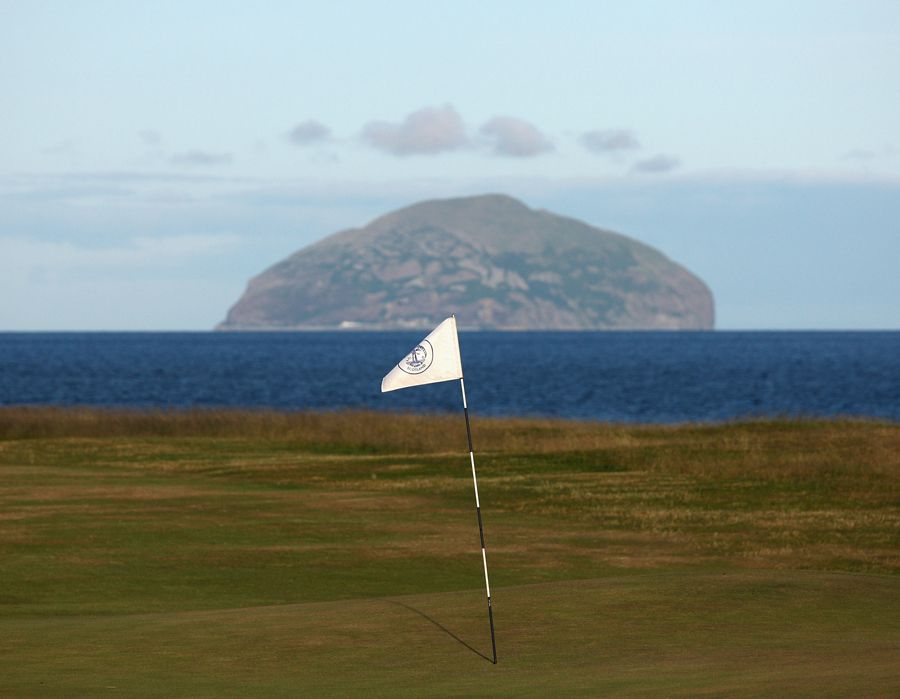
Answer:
(436, 358)
(419, 359)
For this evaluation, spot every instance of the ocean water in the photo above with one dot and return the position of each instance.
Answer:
(652, 377)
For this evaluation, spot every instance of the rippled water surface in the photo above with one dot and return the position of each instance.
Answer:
(618, 376)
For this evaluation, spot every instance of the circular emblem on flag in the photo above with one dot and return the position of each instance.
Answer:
(419, 359)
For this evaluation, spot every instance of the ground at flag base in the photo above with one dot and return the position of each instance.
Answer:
(739, 634)
(266, 556)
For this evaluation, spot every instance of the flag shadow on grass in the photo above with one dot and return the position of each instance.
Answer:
(439, 625)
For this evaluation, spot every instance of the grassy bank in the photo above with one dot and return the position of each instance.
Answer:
(225, 553)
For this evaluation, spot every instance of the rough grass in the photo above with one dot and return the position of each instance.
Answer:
(223, 553)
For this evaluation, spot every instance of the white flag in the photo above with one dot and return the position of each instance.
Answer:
(434, 359)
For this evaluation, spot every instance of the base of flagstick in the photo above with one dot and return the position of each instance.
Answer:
(493, 643)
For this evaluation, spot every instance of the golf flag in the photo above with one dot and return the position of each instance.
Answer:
(434, 359)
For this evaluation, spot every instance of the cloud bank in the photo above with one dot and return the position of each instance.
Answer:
(436, 130)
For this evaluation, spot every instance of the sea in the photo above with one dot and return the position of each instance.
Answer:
(625, 377)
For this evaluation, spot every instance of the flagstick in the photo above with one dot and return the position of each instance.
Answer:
(487, 584)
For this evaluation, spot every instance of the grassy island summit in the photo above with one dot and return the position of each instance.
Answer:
(490, 259)
(250, 554)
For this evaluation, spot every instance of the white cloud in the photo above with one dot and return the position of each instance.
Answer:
(657, 164)
(609, 141)
(200, 158)
(151, 138)
(515, 138)
(427, 131)
(309, 132)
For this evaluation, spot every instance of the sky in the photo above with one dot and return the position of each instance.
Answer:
(156, 156)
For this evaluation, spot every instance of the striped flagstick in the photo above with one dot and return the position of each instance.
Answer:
(487, 584)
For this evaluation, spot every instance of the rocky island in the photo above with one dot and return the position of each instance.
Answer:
(491, 260)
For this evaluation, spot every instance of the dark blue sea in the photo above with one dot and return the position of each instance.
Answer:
(653, 377)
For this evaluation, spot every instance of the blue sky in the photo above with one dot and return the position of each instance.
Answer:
(154, 156)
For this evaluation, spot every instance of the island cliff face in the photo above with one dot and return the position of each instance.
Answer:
(491, 260)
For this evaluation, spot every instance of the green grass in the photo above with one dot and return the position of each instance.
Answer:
(260, 554)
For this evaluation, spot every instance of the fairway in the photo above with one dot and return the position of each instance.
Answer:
(256, 554)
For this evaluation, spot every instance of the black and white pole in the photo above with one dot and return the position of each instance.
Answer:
(487, 584)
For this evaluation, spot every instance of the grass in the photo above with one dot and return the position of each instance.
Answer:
(269, 554)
